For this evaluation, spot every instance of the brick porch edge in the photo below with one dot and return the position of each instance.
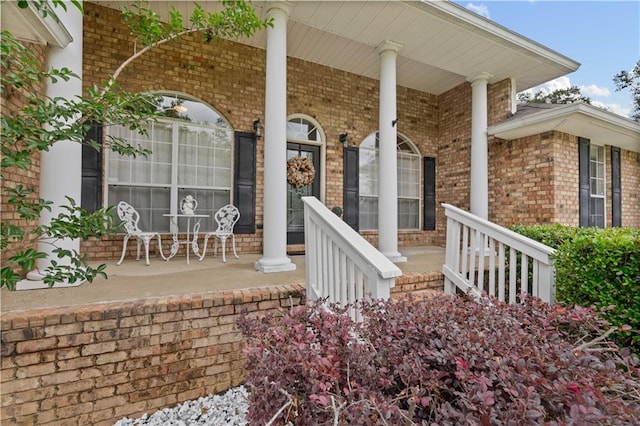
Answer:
(100, 362)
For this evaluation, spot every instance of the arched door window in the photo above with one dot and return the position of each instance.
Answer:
(408, 183)
(191, 155)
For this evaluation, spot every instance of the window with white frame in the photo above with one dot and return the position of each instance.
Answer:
(597, 186)
(191, 155)
(408, 183)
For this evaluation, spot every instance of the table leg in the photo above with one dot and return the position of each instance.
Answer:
(176, 243)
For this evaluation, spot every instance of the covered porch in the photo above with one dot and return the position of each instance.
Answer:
(132, 280)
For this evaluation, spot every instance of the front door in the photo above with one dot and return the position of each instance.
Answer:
(295, 208)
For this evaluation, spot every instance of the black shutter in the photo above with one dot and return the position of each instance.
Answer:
(91, 195)
(429, 214)
(616, 190)
(244, 189)
(584, 185)
(351, 192)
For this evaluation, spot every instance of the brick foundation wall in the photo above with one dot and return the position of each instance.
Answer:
(101, 362)
(98, 363)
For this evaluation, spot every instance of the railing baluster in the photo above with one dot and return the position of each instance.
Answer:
(513, 273)
(535, 280)
(464, 250)
(501, 275)
(481, 253)
(492, 267)
(524, 274)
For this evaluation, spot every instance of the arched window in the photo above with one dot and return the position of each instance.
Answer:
(408, 183)
(191, 155)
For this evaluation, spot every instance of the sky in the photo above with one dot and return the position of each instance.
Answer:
(603, 36)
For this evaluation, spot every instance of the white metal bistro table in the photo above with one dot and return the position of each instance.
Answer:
(176, 240)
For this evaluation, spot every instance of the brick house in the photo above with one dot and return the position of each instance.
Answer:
(401, 106)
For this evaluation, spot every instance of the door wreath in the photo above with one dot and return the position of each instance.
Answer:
(300, 171)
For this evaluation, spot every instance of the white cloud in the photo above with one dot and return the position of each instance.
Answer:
(622, 110)
(550, 86)
(480, 9)
(593, 90)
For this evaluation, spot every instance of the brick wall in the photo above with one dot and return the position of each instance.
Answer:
(630, 171)
(521, 182)
(11, 102)
(566, 178)
(98, 363)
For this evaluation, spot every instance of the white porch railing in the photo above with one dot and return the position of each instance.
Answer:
(484, 257)
(340, 264)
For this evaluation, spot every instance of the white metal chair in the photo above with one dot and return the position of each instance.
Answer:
(130, 217)
(226, 218)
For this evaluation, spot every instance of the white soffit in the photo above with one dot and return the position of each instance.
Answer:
(443, 43)
(27, 25)
(579, 119)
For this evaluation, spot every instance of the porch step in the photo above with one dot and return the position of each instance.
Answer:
(419, 284)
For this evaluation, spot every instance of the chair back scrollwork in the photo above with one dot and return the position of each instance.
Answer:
(226, 218)
(129, 217)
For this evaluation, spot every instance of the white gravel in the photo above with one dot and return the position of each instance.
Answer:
(228, 409)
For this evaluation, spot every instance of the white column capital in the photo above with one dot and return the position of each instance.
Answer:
(389, 45)
(281, 6)
(480, 78)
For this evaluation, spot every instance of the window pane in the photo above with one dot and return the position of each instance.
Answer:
(151, 204)
(368, 213)
(597, 212)
(408, 214)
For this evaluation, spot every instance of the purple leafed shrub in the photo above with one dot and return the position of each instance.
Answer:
(443, 361)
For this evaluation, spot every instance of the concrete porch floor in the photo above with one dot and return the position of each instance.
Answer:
(135, 280)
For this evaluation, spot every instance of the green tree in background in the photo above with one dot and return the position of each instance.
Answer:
(558, 96)
(630, 80)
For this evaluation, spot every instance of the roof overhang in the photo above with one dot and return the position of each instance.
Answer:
(579, 119)
(29, 25)
(443, 44)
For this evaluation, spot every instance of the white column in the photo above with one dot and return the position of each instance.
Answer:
(388, 162)
(61, 166)
(479, 197)
(274, 252)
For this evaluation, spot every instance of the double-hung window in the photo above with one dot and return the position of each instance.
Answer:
(597, 186)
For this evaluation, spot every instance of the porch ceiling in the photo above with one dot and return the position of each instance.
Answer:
(444, 44)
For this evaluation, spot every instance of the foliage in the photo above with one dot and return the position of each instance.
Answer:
(43, 121)
(599, 268)
(558, 96)
(630, 80)
(442, 360)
